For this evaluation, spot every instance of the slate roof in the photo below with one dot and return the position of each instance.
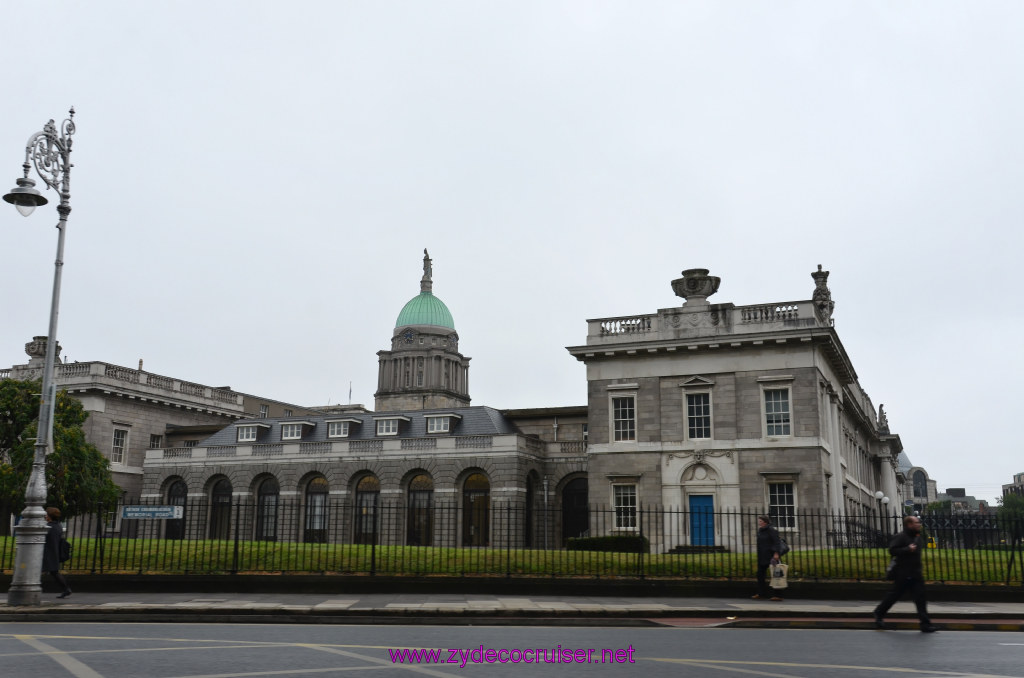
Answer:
(474, 421)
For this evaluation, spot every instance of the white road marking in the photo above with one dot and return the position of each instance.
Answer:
(289, 672)
(725, 663)
(73, 666)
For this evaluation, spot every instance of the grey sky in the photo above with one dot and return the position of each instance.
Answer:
(255, 182)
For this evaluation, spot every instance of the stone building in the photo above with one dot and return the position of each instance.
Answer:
(132, 410)
(710, 407)
(1016, 487)
(425, 468)
(699, 409)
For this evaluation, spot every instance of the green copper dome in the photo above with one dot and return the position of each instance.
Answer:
(425, 309)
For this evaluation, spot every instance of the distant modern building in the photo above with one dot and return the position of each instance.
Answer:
(961, 502)
(1016, 487)
(919, 490)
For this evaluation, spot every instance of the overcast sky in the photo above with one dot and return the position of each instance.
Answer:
(255, 182)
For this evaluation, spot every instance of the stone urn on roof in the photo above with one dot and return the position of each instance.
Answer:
(695, 286)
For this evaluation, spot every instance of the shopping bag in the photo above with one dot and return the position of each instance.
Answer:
(778, 580)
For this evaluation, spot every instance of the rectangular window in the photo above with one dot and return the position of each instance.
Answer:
(120, 444)
(110, 520)
(287, 413)
(337, 429)
(776, 411)
(782, 505)
(190, 443)
(624, 418)
(625, 506)
(291, 431)
(387, 427)
(437, 425)
(586, 433)
(264, 411)
(246, 434)
(698, 415)
(155, 441)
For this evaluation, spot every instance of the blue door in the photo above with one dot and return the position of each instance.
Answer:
(702, 520)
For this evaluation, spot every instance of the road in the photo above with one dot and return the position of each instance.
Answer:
(58, 650)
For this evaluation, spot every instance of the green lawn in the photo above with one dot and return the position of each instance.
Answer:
(214, 557)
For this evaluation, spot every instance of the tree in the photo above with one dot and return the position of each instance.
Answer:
(1011, 515)
(940, 506)
(1011, 520)
(77, 474)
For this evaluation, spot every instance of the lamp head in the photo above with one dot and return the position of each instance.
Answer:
(25, 197)
(879, 494)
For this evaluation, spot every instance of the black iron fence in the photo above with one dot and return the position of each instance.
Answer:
(483, 537)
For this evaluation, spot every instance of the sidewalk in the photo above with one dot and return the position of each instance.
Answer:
(480, 609)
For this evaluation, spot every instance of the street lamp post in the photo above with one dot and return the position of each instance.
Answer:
(883, 503)
(49, 152)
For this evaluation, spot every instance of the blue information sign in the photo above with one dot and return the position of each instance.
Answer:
(152, 512)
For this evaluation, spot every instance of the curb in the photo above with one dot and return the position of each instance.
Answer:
(489, 617)
(870, 626)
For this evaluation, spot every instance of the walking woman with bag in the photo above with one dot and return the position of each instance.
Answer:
(769, 544)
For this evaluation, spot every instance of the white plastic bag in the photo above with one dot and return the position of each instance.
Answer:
(778, 572)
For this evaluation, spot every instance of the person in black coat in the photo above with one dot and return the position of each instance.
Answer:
(907, 547)
(768, 546)
(51, 549)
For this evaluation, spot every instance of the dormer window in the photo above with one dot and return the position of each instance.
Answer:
(339, 428)
(388, 426)
(441, 423)
(293, 430)
(248, 433)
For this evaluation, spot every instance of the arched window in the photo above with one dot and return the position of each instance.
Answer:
(316, 511)
(367, 493)
(267, 495)
(177, 495)
(575, 513)
(421, 511)
(220, 509)
(920, 484)
(476, 511)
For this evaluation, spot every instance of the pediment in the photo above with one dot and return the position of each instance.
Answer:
(697, 381)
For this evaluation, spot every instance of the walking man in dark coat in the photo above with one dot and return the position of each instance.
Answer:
(906, 547)
(768, 546)
(51, 549)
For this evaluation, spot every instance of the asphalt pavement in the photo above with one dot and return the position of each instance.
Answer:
(502, 609)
